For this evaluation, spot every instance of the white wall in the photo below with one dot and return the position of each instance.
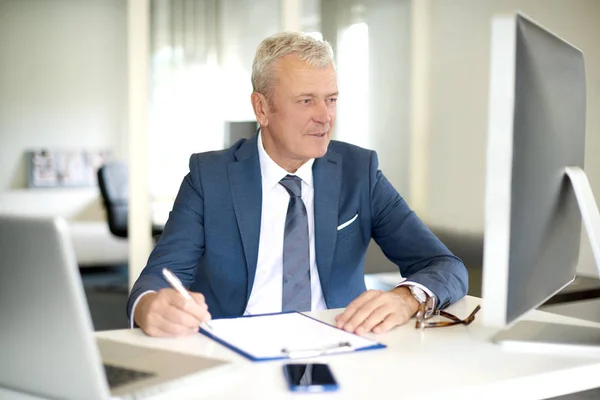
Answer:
(389, 88)
(389, 98)
(460, 35)
(62, 85)
(198, 86)
(387, 104)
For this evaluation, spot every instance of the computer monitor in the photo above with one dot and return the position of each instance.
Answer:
(536, 190)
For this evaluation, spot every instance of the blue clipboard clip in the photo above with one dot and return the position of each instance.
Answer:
(304, 353)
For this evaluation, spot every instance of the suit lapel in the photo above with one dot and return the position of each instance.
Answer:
(327, 174)
(246, 191)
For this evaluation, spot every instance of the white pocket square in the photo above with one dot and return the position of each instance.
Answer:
(345, 224)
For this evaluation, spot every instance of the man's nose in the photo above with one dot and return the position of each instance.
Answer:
(322, 115)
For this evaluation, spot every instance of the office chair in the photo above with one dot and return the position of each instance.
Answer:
(113, 180)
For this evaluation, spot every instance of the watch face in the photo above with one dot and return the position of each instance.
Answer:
(418, 294)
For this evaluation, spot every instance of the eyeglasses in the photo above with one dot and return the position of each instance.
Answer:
(422, 317)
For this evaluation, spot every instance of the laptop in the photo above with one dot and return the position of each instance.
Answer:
(47, 345)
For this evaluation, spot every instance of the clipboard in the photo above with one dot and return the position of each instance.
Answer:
(288, 335)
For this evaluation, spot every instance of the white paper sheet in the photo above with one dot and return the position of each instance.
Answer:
(265, 336)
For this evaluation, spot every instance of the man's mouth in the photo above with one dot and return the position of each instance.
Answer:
(318, 134)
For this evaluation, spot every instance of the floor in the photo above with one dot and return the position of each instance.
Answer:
(106, 291)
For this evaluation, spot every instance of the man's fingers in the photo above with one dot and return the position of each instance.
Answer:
(201, 300)
(401, 313)
(162, 327)
(390, 322)
(179, 317)
(155, 331)
(169, 314)
(378, 312)
(173, 332)
(374, 319)
(176, 309)
(196, 307)
(180, 330)
(354, 306)
(207, 317)
(198, 297)
(363, 313)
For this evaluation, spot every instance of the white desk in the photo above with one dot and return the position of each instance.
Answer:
(455, 362)
(452, 363)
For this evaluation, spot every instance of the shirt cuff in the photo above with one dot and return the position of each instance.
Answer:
(423, 288)
(131, 320)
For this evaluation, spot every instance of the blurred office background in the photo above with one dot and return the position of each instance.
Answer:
(413, 77)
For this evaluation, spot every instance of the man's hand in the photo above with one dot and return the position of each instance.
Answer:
(167, 313)
(378, 311)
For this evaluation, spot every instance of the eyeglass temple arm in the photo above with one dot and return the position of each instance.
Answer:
(469, 319)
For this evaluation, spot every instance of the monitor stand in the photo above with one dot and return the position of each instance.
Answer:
(535, 336)
(547, 337)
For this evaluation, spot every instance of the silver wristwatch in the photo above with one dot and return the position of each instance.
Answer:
(423, 298)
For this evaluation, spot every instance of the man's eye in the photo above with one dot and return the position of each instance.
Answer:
(306, 101)
(333, 100)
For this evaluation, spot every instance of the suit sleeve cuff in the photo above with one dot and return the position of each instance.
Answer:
(131, 319)
(423, 288)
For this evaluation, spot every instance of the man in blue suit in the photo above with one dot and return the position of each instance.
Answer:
(282, 221)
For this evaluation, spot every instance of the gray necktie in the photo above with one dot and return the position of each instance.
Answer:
(296, 258)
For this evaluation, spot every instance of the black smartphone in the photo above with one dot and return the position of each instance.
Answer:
(309, 378)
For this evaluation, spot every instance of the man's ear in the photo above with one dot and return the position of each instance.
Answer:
(261, 108)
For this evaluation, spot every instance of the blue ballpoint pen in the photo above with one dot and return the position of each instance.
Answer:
(177, 285)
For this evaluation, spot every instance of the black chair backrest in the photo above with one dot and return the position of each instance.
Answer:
(113, 179)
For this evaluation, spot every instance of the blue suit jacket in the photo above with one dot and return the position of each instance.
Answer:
(211, 238)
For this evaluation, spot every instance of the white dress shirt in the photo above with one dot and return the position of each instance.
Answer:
(266, 295)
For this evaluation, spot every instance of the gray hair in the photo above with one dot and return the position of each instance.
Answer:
(316, 53)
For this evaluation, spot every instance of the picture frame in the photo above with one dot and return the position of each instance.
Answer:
(64, 168)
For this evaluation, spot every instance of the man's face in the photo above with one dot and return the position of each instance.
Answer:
(301, 116)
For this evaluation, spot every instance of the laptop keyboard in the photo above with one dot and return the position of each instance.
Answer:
(118, 376)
